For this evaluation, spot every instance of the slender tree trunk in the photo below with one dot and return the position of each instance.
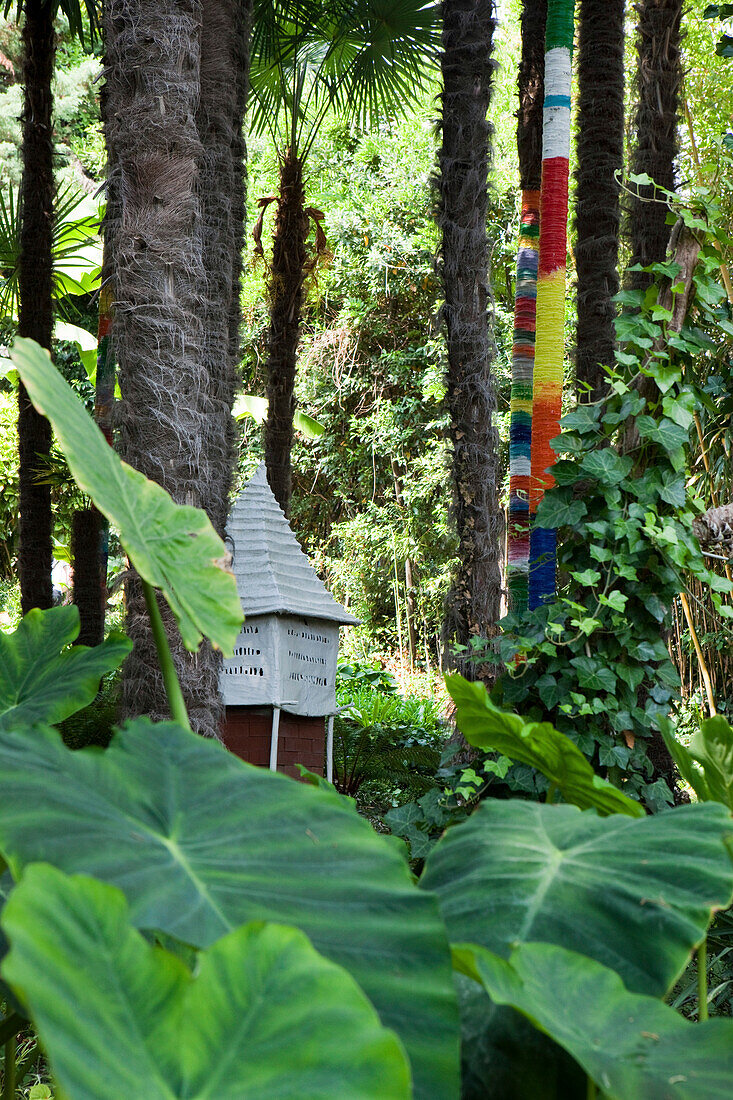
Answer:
(531, 88)
(91, 552)
(36, 308)
(659, 76)
(221, 191)
(473, 603)
(600, 145)
(85, 536)
(286, 293)
(410, 603)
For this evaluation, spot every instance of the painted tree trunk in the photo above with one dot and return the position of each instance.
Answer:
(287, 277)
(474, 601)
(659, 75)
(549, 347)
(529, 147)
(600, 151)
(36, 308)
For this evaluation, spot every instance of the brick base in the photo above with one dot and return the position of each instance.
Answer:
(246, 731)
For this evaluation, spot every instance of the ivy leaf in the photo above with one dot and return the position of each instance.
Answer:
(582, 419)
(554, 512)
(673, 489)
(587, 578)
(594, 675)
(617, 600)
(606, 465)
(666, 433)
(665, 375)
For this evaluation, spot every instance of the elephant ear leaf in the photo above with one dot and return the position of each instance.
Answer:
(264, 1015)
(631, 1045)
(687, 765)
(539, 745)
(712, 748)
(42, 677)
(173, 547)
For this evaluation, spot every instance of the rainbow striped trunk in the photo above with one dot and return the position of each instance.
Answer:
(520, 428)
(549, 346)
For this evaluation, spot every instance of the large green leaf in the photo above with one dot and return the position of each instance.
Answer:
(634, 893)
(201, 842)
(707, 765)
(538, 744)
(42, 677)
(264, 1016)
(632, 1046)
(173, 547)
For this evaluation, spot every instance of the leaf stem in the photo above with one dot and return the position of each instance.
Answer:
(551, 794)
(591, 1092)
(170, 677)
(9, 1075)
(702, 982)
(10, 1025)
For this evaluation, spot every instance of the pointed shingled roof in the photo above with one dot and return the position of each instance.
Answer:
(273, 574)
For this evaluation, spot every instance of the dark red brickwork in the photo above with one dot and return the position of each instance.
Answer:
(246, 732)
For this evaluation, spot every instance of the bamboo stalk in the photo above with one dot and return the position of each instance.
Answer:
(704, 671)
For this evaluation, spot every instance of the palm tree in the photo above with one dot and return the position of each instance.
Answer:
(363, 59)
(35, 281)
(473, 603)
(659, 75)
(174, 99)
(531, 86)
(600, 146)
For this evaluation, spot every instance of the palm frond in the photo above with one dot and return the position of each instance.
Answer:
(76, 247)
(367, 57)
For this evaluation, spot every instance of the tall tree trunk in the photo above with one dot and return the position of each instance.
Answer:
(176, 84)
(86, 532)
(36, 308)
(287, 277)
(90, 543)
(600, 145)
(550, 345)
(531, 86)
(659, 75)
(473, 603)
(167, 415)
(221, 192)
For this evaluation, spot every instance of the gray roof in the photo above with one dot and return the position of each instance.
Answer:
(273, 574)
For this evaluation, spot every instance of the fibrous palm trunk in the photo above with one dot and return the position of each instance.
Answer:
(287, 278)
(36, 309)
(174, 416)
(600, 148)
(531, 84)
(221, 197)
(659, 75)
(473, 603)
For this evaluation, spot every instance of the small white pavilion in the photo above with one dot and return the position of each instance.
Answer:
(286, 654)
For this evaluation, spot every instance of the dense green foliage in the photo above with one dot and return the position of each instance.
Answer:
(200, 845)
